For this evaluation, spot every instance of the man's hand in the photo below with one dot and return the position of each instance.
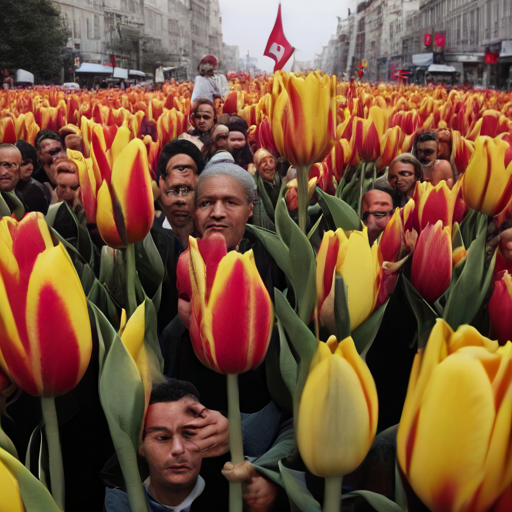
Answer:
(212, 438)
(258, 493)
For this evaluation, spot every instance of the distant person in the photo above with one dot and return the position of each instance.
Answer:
(238, 145)
(203, 120)
(68, 185)
(206, 86)
(48, 145)
(10, 160)
(33, 194)
(426, 148)
(404, 171)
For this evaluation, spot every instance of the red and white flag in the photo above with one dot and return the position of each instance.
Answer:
(278, 47)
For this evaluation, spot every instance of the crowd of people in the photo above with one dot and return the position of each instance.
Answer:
(212, 180)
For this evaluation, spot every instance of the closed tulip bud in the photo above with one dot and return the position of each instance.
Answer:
(454, 438)
(232, 314)
(389, 146)
(499, 308)
(87, 184)
(458, 255)
(292, 200)
(462, 151)
(338, 410)
(433, 203)
(487, 182)
(353, 259)
(338, 158)
(304, 118)
(431, 270)
(39, 287)
(125, 206)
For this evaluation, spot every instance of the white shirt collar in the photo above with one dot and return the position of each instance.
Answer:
(166, 224)
(185, 505)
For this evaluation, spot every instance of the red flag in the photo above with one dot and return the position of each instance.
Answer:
(440, 40)
(427, 39)
(278, 47)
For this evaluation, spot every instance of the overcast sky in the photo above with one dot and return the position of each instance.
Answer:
(308, 24)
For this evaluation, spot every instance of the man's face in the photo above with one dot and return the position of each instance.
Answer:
(426, 152)
(380, 208)
(181, 179)
(174, 460)
(26, 169)
(10, 160)
(67, 187)
(236, 140)
(222, 207)
(49, 148)
(204, 118)
(401, 177)
(267, 168)
(220, 137)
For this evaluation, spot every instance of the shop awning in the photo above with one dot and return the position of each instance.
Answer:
(23, 76)
(94, 69)
(120, 73)
(423, 59)
(441, 68)
(135, 72)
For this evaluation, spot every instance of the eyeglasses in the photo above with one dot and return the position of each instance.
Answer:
(223, 136)
(178, 191)
(54, 151)
(9, 165)
(378, 215)
(199, 116)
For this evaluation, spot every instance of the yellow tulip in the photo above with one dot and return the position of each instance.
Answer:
(353, 259)
(487, 183)
(454, 438)
(304, 117)
(338, 410)
(10, 491)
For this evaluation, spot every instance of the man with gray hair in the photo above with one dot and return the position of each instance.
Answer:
(225, 195)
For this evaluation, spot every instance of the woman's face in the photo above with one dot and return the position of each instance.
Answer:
(267, 168)
(26, 169)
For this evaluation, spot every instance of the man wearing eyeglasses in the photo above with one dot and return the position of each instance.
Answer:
(377, 208)
(10, 160)
(203, 120)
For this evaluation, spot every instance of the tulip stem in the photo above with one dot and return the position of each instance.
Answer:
(51, 429)
(332, 494)
(361, 188)
(236, 445)
(302, 193)
(131, 299)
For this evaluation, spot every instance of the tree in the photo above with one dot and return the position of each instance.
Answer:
(32, 37)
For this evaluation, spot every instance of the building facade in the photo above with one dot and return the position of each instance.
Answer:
(143, 34)
(391, 35)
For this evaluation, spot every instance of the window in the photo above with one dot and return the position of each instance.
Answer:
(96, 27)
(173, 27)
(77, 28)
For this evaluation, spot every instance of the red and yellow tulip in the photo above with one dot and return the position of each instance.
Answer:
(125, 206)
(454, 437)
(431, 270)
(40, 287)
(304, 118)
(232, 314)
(499, 308)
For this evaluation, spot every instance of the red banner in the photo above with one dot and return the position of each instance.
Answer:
(427, 38)
(440, 40)
(278, 47)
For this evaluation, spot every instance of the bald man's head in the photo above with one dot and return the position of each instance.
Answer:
(377, 208)
(10, 160)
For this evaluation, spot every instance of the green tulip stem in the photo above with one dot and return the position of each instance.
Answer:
(361, 188)
(131, 299)
(302, 193)
(332, 494)
(51, 428)
(236, 444)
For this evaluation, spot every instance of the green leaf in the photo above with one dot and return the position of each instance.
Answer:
(379, 502)
(34, 494)
(123, 400)
(151, 341)
(469, 227)
(343, 215)
(425, 315)
(150, 267)
(297, 491)
(10, 204)
(106, 334)
(341, 312)
(468, 293)
(302, 340)
(365, 334)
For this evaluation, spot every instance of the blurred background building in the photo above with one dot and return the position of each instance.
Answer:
(454, 41)
(145, 34)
